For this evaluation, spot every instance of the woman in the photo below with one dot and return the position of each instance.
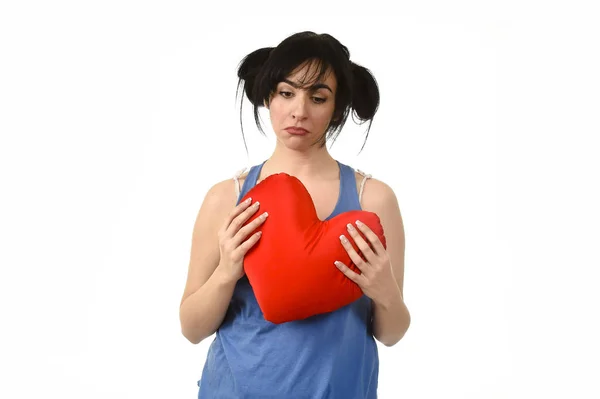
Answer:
(309, 86)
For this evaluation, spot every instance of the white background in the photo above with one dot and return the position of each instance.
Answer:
(117, 116)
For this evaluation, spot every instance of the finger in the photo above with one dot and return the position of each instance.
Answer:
(239, 208)
(364, 246)
(240, 219)
(372, 237)
(352, 275)
(250, 227)
(354, 256)
(246, 245)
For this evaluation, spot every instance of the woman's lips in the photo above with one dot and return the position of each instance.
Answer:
(296, 130)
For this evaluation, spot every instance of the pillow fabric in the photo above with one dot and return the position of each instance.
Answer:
(291, 267)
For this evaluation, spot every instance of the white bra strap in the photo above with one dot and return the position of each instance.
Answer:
(362, 184)
(237, 182)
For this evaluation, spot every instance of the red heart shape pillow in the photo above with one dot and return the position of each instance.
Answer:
(291, 267)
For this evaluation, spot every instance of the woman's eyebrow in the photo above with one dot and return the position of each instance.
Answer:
(314, 87)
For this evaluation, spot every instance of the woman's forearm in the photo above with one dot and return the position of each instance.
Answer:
(202, 313)
(391, 319)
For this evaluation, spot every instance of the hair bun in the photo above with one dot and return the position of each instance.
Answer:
(250, 65)
(365, 93)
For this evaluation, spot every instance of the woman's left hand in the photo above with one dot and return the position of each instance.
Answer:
(377, 279)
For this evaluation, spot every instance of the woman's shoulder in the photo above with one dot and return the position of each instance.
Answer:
(372, 191)
(223, 194)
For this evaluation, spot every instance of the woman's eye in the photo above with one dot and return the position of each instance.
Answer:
(287, 94)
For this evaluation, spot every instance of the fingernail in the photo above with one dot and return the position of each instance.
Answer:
(343, 238)
(256, 204)
(336, 263)
(358, 223)
(248, 200)
(350, 227)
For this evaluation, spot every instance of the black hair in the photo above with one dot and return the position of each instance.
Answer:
(357, 90)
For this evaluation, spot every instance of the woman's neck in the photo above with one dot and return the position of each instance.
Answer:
(317, 163)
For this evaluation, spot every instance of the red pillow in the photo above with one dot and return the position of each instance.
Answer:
(291, 267)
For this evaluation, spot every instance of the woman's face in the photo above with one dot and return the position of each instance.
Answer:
(309, 108)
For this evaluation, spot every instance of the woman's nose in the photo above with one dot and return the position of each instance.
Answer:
(299, 108)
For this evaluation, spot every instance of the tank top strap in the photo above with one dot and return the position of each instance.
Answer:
(348, 194)
(362, 183)
(236, 179)
(249, 182)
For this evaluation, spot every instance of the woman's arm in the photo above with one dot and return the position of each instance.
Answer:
(208, 291)
(391, 318)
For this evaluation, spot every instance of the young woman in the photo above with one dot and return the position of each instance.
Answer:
(309, 86)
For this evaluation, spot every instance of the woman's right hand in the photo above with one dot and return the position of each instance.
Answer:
(233, 244)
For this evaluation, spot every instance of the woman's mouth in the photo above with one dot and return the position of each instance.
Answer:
(296, 130)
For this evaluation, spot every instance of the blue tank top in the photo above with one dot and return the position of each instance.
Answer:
(332, 355)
